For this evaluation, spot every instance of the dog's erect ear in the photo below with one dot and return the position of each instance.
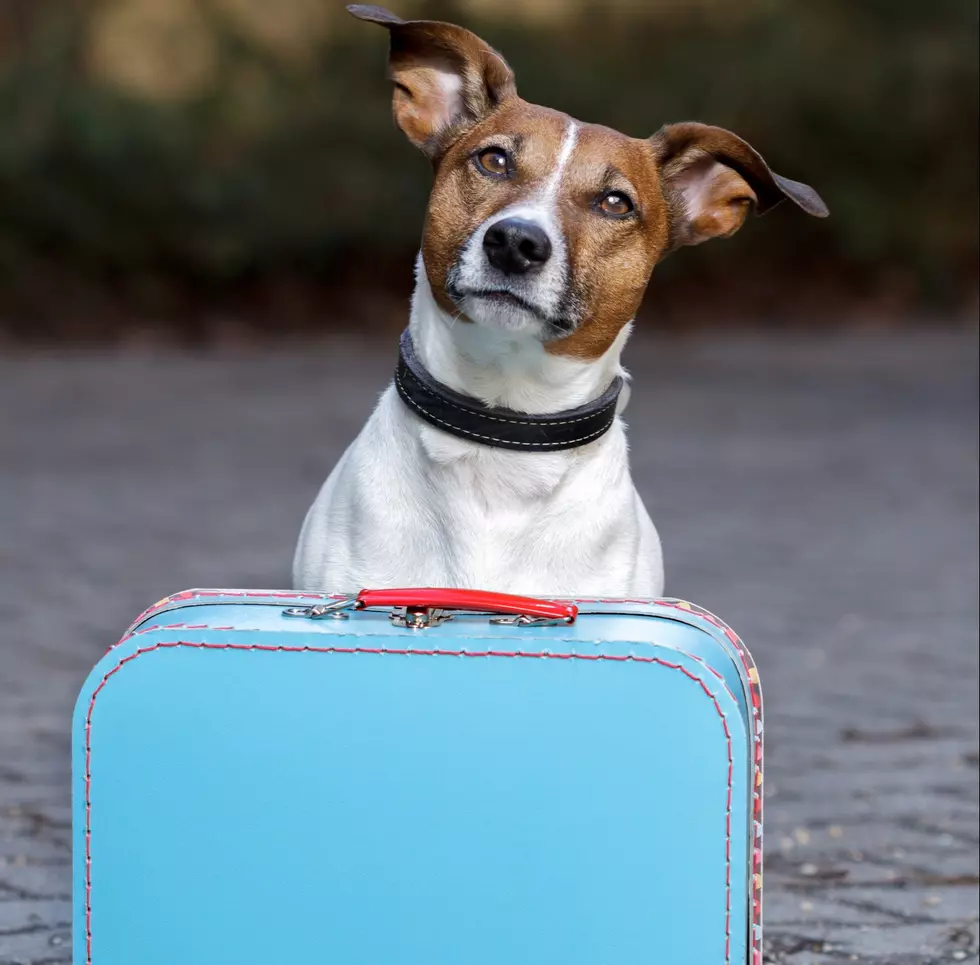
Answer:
(711, 180)
(445, 77)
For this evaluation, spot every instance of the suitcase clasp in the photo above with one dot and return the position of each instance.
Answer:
(418, 617)
(526, 620)
(333, 609)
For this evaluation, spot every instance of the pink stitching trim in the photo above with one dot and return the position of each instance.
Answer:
(758, 774)
(755, 690)
(197, 594)
(598, 657)
(755, 937)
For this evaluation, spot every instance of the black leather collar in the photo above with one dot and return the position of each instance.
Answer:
(467, 417)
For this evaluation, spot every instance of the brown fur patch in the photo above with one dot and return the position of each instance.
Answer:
(681, 148)
(610, 260)
(462, 199)
(712, 201)
(424, 55)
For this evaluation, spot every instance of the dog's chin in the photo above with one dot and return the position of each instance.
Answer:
(502, 311)
(512, 314)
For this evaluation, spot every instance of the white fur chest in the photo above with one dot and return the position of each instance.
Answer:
(409, 504)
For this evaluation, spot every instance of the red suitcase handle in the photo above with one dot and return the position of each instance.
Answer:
(479, 600)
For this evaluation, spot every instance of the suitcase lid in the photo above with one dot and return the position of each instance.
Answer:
(728, 655)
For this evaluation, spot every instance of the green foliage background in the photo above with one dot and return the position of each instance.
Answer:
(282, 166)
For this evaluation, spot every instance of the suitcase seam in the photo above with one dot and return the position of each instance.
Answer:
(748, 664)
(757, 751)
(375, 651)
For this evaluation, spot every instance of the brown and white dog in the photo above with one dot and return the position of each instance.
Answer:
(541, 236)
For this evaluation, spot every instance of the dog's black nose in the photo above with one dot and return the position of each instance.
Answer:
(516, 246)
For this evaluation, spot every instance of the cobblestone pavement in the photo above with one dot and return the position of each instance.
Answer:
(818, 493)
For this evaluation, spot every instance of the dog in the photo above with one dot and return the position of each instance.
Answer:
(497, 459)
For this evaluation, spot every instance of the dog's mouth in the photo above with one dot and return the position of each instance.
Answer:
(555, 326)
(504, 297)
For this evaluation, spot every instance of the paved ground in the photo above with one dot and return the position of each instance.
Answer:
(819, 493)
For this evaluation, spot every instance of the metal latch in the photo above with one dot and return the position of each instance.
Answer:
(334, 609)
(418, 617)
(525, 620)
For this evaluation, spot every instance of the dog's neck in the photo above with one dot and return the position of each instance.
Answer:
(502, 368)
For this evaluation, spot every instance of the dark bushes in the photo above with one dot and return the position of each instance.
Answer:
(276, 158)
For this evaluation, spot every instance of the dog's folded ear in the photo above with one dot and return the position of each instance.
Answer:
(712, 178)
(445, 77)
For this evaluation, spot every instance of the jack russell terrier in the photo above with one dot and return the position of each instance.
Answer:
(497, 458)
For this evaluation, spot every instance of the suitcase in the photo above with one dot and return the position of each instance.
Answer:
(418, 777)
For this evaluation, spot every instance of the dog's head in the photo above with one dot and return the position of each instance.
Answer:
(541, 224)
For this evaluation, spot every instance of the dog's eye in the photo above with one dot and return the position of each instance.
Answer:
(493, 161)
(615, 204)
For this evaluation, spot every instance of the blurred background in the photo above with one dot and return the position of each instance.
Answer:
(202, 167)
(207, 229)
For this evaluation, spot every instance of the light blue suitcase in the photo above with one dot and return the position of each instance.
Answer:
(418, 777)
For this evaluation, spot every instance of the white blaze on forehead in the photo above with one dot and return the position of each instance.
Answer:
(542, 201)
(564, 155)
(540, 206)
